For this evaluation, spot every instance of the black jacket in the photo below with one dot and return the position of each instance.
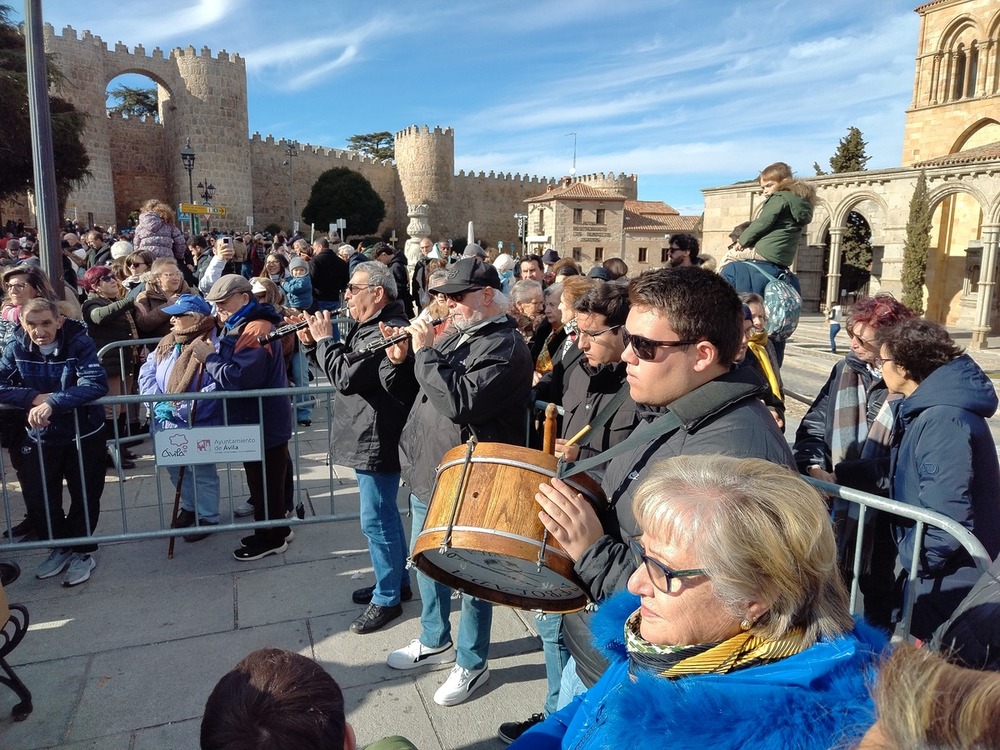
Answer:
(329, 276)
(398, 267)
(469, 385)
(370, 412)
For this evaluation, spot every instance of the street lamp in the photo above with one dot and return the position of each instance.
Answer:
(187, 156)
(291, 148)
(207, 191)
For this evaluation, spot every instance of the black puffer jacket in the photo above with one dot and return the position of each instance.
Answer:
(477, 384)
(588, 391)
(370, 411)
(398, 268)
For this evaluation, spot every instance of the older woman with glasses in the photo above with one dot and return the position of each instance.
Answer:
(735, 631)
(165, 287)
(943, 459)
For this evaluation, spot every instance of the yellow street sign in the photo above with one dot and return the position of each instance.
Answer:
(194, 208)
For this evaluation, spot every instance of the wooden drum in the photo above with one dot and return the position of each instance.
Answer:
(482, 534)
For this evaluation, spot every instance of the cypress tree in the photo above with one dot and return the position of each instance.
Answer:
(850, 155)
(917, 247)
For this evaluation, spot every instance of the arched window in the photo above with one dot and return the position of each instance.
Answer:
(973, 69)
(958, 89)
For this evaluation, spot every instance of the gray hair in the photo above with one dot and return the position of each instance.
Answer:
(379, 275)
(759, 530)
(555, 290)
(524, 289)
(348, 247)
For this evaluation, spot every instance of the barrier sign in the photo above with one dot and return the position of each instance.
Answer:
(207, 445)
(194, 208)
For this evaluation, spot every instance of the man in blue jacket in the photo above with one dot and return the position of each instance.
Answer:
(51, 371)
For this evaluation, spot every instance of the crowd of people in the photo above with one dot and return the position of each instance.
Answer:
(717, 576)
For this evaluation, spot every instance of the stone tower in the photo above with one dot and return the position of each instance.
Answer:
(425, 160)
(196, 93)
(956, 89)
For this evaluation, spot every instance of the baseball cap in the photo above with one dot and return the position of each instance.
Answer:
(227, 286)
(188, 303)
(468, 273)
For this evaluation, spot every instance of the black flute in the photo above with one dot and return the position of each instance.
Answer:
(290, 328)
(373, 348)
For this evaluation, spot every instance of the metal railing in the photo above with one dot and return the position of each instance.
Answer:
(922, 518)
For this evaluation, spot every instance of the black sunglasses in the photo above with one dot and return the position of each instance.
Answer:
(645, 349)
(459, 296)
(659, 574)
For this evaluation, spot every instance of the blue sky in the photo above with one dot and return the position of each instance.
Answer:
(685, 94)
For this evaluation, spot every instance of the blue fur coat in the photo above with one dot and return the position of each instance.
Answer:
(815, 699)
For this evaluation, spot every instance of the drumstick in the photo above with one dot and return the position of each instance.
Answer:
(549, 435)
(577, 436)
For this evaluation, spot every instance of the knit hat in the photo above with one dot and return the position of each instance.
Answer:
(297, 262)
(503, 263)
(121, 249)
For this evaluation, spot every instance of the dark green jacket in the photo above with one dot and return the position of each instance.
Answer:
(775, 233)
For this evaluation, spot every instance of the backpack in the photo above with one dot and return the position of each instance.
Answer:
(783, 305)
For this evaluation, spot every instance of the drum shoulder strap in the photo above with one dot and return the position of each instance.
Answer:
(686, 413)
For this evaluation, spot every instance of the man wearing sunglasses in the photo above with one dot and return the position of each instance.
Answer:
(683, 332)
(474, 382)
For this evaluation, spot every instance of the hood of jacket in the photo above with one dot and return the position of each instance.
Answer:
(960, 383)
(151, 222)
(802, 210)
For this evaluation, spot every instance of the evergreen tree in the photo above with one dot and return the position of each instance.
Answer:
(850, 155)
(916, 248)
(381, 145)
(342, 193)
(135, 102)
(17, 172)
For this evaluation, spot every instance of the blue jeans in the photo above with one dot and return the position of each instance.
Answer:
(199, 488)
(326, 305)
(834, 330)
(473, 644)
(571, 685)
(549, 627)
(300, 378)
(383, 527)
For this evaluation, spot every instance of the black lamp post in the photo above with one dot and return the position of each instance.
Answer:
(291, 148)
(207, 191)
(187, 156)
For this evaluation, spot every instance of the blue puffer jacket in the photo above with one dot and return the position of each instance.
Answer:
(944, 459)
(815, 699)
(242, 364)
(72, 375)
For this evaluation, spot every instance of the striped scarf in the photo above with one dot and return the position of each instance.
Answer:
(742, 651)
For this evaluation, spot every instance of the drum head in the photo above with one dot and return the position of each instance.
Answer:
(514, 580)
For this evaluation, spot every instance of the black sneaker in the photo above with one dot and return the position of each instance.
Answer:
(511, 730)
(20, 529)
(199, 537)
(375, 617)
(364, 595)
(257, 551)
(185, 518)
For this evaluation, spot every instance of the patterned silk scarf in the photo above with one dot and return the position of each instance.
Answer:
(739, 652)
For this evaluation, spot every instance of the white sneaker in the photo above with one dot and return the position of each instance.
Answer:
(417, 654)
(79, 569)
(461, 683)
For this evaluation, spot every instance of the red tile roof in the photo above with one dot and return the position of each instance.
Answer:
(576, 191)
(987, 152)
(666, 223)
(650, 208)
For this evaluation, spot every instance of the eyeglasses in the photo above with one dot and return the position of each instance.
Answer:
(17, 286)
(355, 288)
(856, 337)
(645, 349)
(659, 574)
(879, 361)
(170, 275)
(594, 334)
(107, 278)
(136, 264)
(459, 296)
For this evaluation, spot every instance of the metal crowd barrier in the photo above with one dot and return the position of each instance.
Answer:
(922, 519)
(323, 395)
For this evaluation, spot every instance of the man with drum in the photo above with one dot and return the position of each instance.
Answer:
(681, 336)
(475, 381)
(367, 421)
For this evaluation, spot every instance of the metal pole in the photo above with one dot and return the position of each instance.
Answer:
(43, 161)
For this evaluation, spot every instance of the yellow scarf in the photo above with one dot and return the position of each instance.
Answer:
(741, 651)
(757, 343)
